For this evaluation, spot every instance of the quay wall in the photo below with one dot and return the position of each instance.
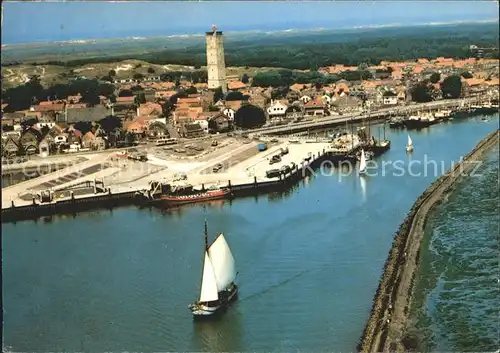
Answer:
(107, 199)
(385, 329)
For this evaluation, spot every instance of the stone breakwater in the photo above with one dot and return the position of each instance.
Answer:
(385, 329)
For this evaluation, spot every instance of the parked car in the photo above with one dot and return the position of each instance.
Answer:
(285, 169)
(217, 167)
(284, 151)
(272, 173)
(275, 159)
(215, 143)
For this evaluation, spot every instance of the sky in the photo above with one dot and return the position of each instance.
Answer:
(26, 22)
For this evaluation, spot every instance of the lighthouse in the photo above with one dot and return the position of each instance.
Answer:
(216, 65)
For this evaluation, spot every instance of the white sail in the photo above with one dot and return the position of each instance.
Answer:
(410, 142)
(362, 162)
(209, 290)
(223, 262)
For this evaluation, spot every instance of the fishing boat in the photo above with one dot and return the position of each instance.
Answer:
(217, 283)
(417, 122)
(362, 163)
(409, 144)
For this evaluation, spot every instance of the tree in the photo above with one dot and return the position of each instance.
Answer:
(137, 88)
(44, 130)
(218, 95)
(421, 92)
(125, 93)
(112, 73)
(451, 87)
(466, 74)
(249, 116)
(7, 128)
(191, 90)
(138, 76)
(167, 108)
(83, 126)
(140, 99)
(245, 78)
(213, 108)
(107, 78)
(110, 124)
(91, 98)
(234, 96)
(130, 138)
(435, 77)
(151, 70)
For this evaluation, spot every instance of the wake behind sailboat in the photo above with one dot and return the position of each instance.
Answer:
(217, 284)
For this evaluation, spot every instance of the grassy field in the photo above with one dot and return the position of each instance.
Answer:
(15, 75)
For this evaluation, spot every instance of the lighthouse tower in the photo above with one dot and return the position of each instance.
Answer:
(216, 65)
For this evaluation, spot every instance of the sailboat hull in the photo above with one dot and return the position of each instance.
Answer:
(200, 309)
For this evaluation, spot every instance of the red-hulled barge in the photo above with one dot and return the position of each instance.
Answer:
(202, 196)
(176, 195)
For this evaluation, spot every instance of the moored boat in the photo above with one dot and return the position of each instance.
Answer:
(196, 196)
(217, 284)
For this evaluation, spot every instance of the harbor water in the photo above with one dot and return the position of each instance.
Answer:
(457, 300)
(309, 262)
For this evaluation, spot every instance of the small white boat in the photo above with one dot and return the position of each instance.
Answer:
(217, 284)
(362, 163)
(409, 144)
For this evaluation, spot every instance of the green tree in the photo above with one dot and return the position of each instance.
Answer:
(435, 77)
(151, 70)
(138, 76)
(249, 116)
(234, 96)
(44, 130)
(421, 92)
(466, 74)
(83, 126)
(112, 73)
(110, 124)
(451, 87)
(191, 90)
(245, 78)
(218, 95)
(130, 138)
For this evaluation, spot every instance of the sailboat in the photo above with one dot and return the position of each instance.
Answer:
(409, 144)
(362, 163)
(217, 283)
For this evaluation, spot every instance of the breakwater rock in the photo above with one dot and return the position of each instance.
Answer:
(385, 329)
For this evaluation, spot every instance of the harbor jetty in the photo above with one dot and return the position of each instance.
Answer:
(385, 330)
(34, 198)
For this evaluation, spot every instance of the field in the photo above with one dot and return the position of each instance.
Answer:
(248, 52)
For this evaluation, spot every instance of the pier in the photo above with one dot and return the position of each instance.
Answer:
(386, 325)
(44, 197)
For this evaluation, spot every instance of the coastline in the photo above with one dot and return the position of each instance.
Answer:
(385, 328)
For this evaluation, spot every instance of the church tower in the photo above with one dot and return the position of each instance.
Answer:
(216, 65)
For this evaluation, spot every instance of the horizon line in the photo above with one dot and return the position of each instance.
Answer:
(200, 34)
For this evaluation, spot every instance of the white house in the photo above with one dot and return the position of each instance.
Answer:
(229, 113)
(50, 124)
(276, 109)
(390, 98)
(305, 99)
(60, 139)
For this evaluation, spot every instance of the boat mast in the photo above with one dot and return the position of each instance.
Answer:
(206, 236)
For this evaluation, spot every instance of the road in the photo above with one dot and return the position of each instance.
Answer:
(330, 120)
